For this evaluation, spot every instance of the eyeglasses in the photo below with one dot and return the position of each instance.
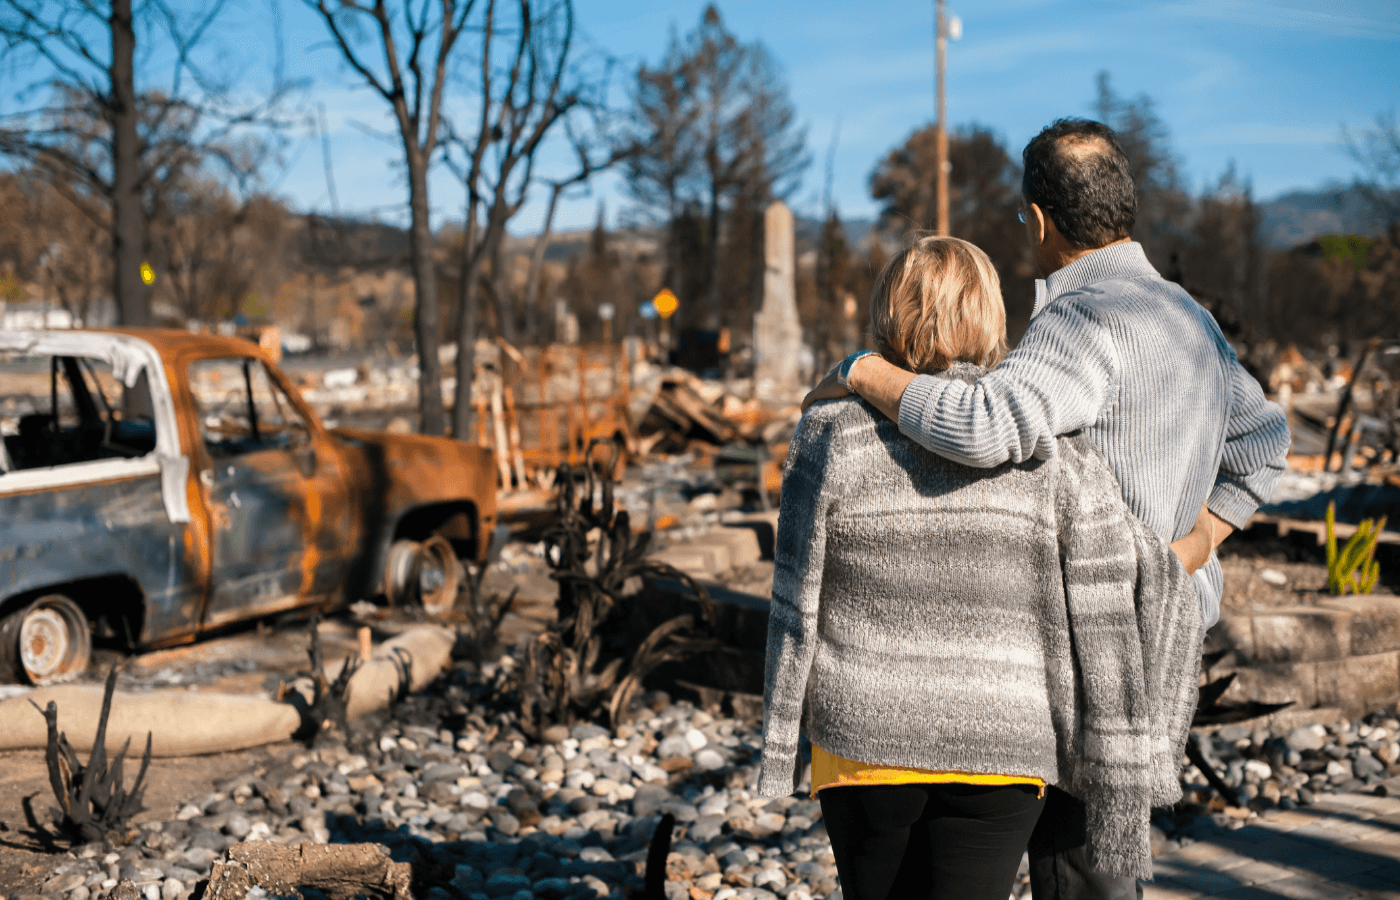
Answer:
(1022, 213)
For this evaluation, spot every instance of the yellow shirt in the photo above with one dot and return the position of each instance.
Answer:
(830, 770)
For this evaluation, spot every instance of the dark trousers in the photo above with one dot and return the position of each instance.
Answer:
(945, 841)
(1059, 870)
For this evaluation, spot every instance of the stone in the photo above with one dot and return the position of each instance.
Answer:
(683, 811)
(442, 772)
(62, 883)
(1257, 769)
(506, 824)
(1305, 737)
(505, 884)
(238, 826)
(706, 828)
(770, 878)
(675, 745)
(708, 760)
(768, 823)
(581, 779)
(1366, 764)
(649, 799)
(551, 888)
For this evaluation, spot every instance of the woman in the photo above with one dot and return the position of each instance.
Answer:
(951, 640)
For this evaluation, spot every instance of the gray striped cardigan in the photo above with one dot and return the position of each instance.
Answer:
(1016, 620)
(1118, 351)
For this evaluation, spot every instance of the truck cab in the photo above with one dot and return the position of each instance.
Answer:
(158, 485)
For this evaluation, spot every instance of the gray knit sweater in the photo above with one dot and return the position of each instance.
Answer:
(1118, 351)
(1014, 621)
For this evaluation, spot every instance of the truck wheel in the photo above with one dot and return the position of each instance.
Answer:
(47, 641)
(426, 573)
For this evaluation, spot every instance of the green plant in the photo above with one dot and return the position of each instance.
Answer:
(1353, 569)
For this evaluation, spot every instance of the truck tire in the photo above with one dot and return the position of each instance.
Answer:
(425, 573)
(46, 642)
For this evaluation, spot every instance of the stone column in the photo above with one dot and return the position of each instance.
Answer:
(777, 333)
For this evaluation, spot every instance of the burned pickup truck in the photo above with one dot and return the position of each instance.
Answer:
(157, 485)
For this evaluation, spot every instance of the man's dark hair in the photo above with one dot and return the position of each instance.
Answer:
(1077, 173)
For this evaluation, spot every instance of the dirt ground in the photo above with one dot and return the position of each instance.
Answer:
(27, 853)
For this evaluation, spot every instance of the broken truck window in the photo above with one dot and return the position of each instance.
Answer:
(242, 409)
(61, 410)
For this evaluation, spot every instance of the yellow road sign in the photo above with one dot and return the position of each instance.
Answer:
(665, 303)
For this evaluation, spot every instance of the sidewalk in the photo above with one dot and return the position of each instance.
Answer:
(1345, 845)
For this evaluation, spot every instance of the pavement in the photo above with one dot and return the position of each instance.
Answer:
(1343, 846)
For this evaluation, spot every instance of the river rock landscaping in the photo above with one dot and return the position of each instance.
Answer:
(447, 782)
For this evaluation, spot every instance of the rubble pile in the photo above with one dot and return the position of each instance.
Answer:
(449, 783)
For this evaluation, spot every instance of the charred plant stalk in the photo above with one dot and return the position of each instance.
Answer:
(94, 804)
(329, 700)
(576, 670)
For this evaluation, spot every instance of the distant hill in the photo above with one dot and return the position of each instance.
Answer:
(1302, 216)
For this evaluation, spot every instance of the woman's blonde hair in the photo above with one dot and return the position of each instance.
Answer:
(938, 302)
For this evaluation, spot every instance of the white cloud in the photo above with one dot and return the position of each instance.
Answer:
(1376, 21)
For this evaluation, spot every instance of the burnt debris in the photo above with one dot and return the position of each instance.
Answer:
(581, 667)
(93, 802)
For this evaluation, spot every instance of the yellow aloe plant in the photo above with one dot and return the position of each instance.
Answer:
(1353, 569)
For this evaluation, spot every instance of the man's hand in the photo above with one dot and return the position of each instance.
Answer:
(827, 389)
(1209, 532)
(875, 380)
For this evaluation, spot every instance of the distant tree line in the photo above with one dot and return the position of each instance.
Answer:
(1337, 290)
(121, 165)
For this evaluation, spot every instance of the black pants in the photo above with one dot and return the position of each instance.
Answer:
(1059, 870)
(954, 841)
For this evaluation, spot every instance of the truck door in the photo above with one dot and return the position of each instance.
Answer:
(278, 514)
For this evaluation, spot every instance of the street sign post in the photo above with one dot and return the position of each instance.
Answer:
(665, 304)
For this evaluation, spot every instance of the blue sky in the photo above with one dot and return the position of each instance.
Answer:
(1267, 84)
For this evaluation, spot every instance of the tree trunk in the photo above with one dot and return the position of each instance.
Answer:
(128, 215)
(715, 319)
(462, 411)
(500, 277)
(532, 281)
(425, 318)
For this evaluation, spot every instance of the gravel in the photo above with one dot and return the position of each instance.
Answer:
(448, 781)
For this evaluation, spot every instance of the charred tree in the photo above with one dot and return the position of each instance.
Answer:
(413, 81)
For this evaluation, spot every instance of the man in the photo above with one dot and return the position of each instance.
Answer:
(1127, 356)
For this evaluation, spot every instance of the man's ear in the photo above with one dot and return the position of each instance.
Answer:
(1043, 223)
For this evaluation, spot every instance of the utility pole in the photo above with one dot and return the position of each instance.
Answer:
(941, 134)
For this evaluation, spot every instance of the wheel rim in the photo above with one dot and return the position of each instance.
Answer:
(437, 576)
(431, 574)
(46, 647)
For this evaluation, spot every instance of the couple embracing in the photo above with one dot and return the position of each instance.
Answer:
(993, 574)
